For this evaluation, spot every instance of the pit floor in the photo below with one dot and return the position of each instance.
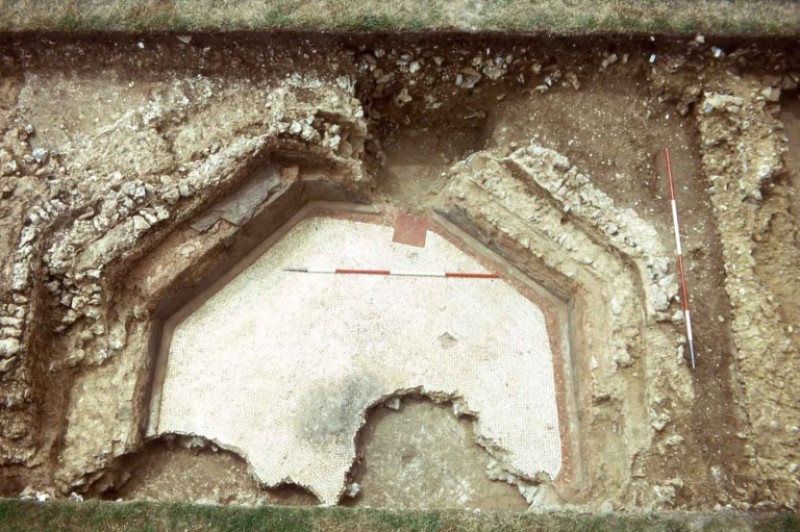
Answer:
(281, 367)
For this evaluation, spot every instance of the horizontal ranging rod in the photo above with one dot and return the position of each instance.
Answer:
(399, 273)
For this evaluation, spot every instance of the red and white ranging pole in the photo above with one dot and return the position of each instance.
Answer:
(684, 290)
(400, 273)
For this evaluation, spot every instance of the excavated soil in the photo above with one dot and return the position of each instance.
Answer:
(132, 176)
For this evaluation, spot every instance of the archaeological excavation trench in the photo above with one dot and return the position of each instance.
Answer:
(224, 261)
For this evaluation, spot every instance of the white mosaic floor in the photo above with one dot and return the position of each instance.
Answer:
(280, 366)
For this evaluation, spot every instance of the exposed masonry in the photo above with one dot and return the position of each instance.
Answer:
(537, 208)
(104, 217)
(110, 220)
(743, 148)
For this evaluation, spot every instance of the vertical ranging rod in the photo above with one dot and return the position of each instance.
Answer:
(684, 290)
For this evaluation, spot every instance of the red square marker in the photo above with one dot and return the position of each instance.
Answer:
(410, 230)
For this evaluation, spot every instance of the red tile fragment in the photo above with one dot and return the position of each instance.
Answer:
(410, 230)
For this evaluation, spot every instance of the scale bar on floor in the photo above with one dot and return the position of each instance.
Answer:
(398, 273)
